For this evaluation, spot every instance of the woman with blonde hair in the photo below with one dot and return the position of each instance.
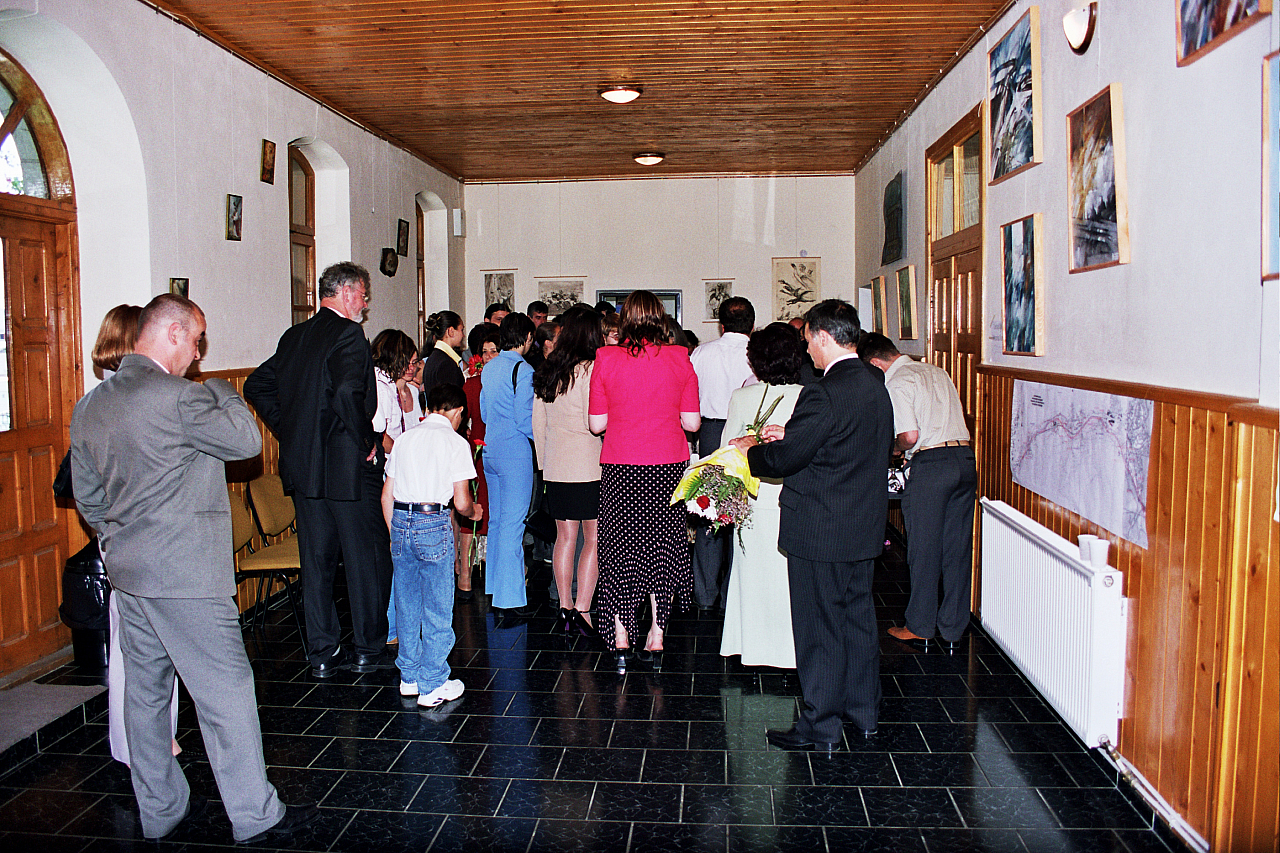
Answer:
(644, 397)
(116, 337)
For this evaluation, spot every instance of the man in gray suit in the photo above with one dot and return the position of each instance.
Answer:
(147, 453)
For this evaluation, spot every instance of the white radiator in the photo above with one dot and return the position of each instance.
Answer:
(1061, 620)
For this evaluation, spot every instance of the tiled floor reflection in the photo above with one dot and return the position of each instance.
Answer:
(549, 750)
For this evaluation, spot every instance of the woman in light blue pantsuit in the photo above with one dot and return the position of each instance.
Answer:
(506, 404)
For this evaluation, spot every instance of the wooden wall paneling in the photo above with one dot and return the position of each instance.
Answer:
(1248, 792)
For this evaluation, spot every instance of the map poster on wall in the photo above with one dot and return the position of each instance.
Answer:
(1085, 451)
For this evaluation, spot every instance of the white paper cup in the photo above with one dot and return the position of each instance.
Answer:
(1085, 539)
(1098, 551)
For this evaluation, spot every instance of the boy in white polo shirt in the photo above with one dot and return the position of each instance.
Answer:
(428, 466)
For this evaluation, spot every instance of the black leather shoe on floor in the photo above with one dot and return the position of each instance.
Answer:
(196, 805)
(295, 818)
(372, 661)
(791, 739)
(340, 661)
(949, 646)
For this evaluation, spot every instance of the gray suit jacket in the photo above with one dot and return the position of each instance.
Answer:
(147, 453)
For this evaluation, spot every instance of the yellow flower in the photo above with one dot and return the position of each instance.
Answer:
(733, 463)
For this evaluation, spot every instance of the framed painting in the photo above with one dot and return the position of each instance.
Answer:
(1023, 296)
(499, 286)
(390, 262)
(235, 216)
(1271, 167)
(560, 294)
(402, 238)
(878, 294)
(267, 172)
(906, 281)
(672, 300)
(1205, 24)
(1014, 131)
(895, 220)
(797, 286)
(716, 290)
(180, 287)
(1096, 196)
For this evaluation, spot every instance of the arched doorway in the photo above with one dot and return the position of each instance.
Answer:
(41, 357)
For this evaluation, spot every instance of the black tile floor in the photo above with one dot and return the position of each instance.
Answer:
(549, 750)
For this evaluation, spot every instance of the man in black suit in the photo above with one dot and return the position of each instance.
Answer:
(832, 455)
(317, 394)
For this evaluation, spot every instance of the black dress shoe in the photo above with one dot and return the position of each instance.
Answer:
(465, 595)
(338, 662)
(949, 646)
(196, 805)
(295, 818)
(372, 661)
(791, 739)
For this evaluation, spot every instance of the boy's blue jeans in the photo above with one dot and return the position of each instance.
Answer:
(422, 553)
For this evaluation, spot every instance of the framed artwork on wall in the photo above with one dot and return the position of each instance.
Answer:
(895, 219)
(268, 170)
(180, 287)
(797, 286)
(402, 238)
(906, 281)
(1205, 24)
(499, 286)
(235, 216)
(390, 262)
(672, 300)
(1014, 131)
(878, 305)
(1096, 196)
(560, 294)
(1023, 298)
(716, 290)
(1271, 167)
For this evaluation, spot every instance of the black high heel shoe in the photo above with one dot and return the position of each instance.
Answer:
(622, 660)
(653, 657)
(582, 626)
(566, 619)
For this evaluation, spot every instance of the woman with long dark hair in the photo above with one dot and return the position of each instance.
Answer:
(644, 397)
(570, 457)
(395, 363)
(506, 404)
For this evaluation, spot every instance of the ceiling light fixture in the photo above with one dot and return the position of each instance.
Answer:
(649, 158)
(1079, 24)
(620, 94)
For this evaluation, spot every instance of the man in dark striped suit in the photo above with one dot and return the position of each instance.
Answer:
(832, 456)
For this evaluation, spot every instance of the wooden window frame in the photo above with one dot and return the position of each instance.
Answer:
(302, 234)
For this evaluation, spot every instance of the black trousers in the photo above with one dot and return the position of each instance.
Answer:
(833, 619)
(711, 551)
(938, 510)
(355, 534)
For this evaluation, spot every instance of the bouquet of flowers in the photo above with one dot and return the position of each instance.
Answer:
(720, 486)
(473, 365)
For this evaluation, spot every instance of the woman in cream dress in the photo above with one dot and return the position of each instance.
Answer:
(757, 619)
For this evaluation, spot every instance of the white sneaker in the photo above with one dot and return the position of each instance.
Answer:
(408, 689)
(446, 692)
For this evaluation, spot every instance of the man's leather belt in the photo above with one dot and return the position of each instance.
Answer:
(419, 507)
(952, 443)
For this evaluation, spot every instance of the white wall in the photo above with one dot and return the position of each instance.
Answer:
(161, 125)
(660, 234)
(1188, 310)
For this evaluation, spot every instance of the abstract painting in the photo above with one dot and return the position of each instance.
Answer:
(717, 290)
(499, 286)
(1013, 73)
(906, 279)
(797, 286)
(1023, 301)
(895, 220)
(1205, 24)
(235, 216)
(878, 305)
(560, 294)
(1096, 183)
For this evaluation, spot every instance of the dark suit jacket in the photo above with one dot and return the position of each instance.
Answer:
(147, 454)
(834, 499)
(318, 395)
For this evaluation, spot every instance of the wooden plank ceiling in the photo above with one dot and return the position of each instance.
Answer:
(507, 89)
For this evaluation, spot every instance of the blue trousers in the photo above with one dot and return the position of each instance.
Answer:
(422, 553)
(509, 472)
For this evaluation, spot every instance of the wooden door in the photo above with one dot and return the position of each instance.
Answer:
(955, 316)
(34, 532)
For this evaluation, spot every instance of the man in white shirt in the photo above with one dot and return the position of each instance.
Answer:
(722, 368)
(938, 503)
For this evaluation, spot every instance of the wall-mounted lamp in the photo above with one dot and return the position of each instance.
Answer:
(649, 158)
(619, 94)
(1079, 25)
